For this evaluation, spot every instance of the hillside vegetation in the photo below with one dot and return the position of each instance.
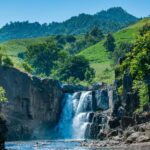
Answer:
(99, 58)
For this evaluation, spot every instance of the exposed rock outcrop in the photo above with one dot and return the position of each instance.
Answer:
(70, 88)
(33, 107)
(3, 130)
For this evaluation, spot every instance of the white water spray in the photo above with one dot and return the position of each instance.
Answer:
(74, 118)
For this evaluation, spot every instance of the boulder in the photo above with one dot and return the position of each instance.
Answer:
(142, 118)
(143, 138)
(112, 133)
(128, 132)
(99, 118)
(114, 122)
(133, 137)
(102, 135)
(127, 121)
(92, 131)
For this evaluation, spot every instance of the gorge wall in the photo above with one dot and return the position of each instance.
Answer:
(33, 106)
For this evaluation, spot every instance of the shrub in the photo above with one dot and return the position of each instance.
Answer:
(7, 62)
(109, 43)
(27, 67)
(2, 95)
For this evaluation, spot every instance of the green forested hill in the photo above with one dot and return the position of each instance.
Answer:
(97, 55)
(109, 21)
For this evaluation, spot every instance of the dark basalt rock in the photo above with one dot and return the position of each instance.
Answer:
(90, 117)
(2, 143)
(92, 131)
(3, 130)
(33, 107)
(97, 86)
(102, 99)
(99, 118)
(142, 118)
(112, 133)
(127, 121)
(114, 122)
(70, 88)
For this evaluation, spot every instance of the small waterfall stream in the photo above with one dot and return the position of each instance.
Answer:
(74, 117)
(65, 122)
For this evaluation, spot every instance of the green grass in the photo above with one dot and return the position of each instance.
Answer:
(100, 61)
(99, 58)
(14, 47)
(130, 33)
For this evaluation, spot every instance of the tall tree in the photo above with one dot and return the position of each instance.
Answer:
(109, 43)
(42, 57)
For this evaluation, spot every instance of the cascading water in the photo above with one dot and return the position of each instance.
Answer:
(74, 118)
(80, 120)
(65, 123)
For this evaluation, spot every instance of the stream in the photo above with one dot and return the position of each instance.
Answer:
(48, 145)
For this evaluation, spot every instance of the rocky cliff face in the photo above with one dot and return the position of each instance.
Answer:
(34, 104)
(117, 120)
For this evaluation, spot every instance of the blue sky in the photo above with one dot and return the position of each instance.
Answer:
(60, 10)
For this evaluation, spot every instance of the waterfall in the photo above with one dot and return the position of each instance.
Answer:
(74, 117)
(80, 120)
(65, 123)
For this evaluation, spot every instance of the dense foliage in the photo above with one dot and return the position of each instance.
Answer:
(121, 50)
(5, 60)
(42, 56)
(137, 64)
(109, 21)
(48, 59)
(109, 43)
(75, 67)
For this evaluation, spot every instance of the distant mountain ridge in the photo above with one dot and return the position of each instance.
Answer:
(110, 20)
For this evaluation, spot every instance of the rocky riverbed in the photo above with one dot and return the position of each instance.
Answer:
(135, 137)
(115, 145)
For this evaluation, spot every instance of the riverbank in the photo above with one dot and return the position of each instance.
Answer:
(114, 145)
(135, 137)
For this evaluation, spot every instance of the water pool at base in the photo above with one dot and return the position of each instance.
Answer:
(47, 145)
(72, 125)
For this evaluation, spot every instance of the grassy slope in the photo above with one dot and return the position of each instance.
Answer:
(14, 47)
(97, 55)
(100, 59)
